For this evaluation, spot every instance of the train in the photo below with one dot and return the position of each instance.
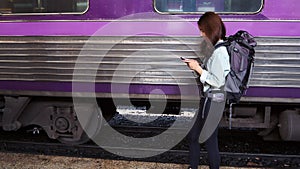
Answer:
(127, 52)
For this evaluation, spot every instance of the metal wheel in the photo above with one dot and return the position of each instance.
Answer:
(71, 141)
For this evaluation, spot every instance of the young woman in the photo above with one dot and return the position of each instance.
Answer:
(213, 77)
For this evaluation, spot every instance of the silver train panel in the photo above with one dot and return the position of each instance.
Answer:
(141, 60)
(277, 63)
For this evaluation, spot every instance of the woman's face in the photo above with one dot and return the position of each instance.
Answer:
(202, 33)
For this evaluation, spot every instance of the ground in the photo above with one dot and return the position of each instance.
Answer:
(30, 161)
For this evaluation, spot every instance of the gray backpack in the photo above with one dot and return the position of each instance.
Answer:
(240, 48)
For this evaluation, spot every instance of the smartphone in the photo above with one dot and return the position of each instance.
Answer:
(182, 58)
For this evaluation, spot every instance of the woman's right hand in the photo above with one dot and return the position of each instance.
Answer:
(194, 65)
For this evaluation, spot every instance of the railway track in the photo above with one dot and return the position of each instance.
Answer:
(174, 156)
(257, 157)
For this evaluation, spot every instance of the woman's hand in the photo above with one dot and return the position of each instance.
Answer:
(194, 65)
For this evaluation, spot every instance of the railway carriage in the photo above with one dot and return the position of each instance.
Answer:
(125, 51)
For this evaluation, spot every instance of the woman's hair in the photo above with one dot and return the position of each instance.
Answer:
(212, 25)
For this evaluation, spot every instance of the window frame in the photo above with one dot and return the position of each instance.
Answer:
(47, 13)
(202, 12)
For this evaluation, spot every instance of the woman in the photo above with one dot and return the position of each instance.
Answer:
(213, 77)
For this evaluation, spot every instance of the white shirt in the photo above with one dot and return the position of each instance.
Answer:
(218, 67)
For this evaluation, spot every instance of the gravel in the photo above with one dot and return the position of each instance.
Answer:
(33, 161)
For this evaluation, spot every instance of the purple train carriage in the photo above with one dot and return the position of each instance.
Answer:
(118, 50)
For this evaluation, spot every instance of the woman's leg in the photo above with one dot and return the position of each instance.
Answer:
(193, 137)
(194, 146)
(212, 147)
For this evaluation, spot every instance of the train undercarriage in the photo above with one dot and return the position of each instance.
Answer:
(57, 117)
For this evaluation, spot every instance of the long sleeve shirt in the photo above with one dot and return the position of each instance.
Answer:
(218, 67)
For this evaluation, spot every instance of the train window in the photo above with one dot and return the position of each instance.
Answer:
(200, 6)
(42, 6)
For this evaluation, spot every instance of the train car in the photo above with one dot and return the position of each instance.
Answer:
(127, 52)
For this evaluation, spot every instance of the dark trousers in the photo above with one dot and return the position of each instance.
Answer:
(211, 144)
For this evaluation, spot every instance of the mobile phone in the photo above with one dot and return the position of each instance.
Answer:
(182, 58)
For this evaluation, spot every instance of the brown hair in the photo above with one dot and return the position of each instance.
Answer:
(212, 25)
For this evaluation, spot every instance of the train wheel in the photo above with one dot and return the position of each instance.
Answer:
(74, 126)
(71, 141)
(289, 127)
(66, 126)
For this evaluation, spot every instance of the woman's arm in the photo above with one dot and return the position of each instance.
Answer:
(194, 65)
(217, 68)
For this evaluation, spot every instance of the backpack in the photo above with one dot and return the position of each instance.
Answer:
(240, 48)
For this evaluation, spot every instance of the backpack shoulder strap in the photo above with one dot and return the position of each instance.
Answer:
(225, 43)
(221, 44)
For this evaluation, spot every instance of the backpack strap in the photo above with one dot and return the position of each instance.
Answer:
(225, 43)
